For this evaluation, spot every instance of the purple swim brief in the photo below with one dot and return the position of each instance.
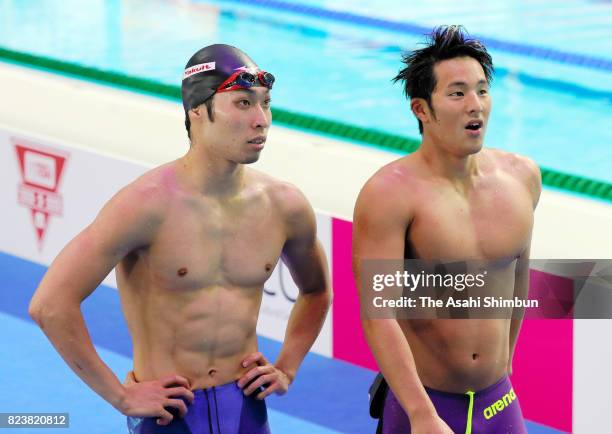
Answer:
(217, 410)
(493, 410)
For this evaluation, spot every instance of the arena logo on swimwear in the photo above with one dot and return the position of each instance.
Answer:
(499, 405)
(41, 171)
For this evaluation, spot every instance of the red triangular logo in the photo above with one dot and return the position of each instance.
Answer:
(41, 170)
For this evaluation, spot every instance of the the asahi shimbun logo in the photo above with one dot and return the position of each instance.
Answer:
(41, 170)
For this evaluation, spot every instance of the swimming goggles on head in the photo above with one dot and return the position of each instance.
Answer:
(245, 80)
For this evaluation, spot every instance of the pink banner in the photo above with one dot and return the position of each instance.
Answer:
(543, 362)
(348, 340)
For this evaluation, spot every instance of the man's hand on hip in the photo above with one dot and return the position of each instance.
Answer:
(264, 374)
(152, 398)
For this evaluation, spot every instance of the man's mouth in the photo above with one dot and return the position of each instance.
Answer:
(474, 125)
(259, 140)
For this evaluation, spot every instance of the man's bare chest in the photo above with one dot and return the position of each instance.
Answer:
(216, 246)
(494, 224)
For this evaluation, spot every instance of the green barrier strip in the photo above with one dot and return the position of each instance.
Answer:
(552, 178)
(577, 184)
(344, 131)
(107, 77)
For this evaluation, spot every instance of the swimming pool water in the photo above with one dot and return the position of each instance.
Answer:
(552, 109)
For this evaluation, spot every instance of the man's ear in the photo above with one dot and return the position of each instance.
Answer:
(421, 110)
(195, 112)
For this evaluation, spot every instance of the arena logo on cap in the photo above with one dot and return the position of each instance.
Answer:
(247, 69)
(41, 170)
(196, 69)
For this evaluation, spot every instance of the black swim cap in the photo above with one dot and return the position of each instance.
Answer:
(207, 69)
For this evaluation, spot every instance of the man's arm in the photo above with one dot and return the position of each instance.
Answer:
(533, 181)
(306, 261)
(127, 222)
(380, 222)
(521, 290)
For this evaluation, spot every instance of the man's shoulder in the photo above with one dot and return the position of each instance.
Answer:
(512, 161)
(395, 180)
(149, 193)
(132, 216)
(283, 195)
(391, 195)
(519, 167)
(155, 182)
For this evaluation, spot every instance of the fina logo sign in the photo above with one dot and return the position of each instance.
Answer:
(41, 170)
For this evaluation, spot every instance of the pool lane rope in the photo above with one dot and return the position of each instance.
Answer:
(552, 178)
(549, 54)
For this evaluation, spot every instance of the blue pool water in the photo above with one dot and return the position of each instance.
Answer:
(552, 94)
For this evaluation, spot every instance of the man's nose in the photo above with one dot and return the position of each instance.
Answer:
(473, 103)
(260, 117)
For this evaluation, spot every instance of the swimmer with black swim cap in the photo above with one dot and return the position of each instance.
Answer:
(218, 68)
(193, 242)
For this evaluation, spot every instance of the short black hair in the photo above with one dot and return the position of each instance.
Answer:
(444, 42)
(209, 110)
